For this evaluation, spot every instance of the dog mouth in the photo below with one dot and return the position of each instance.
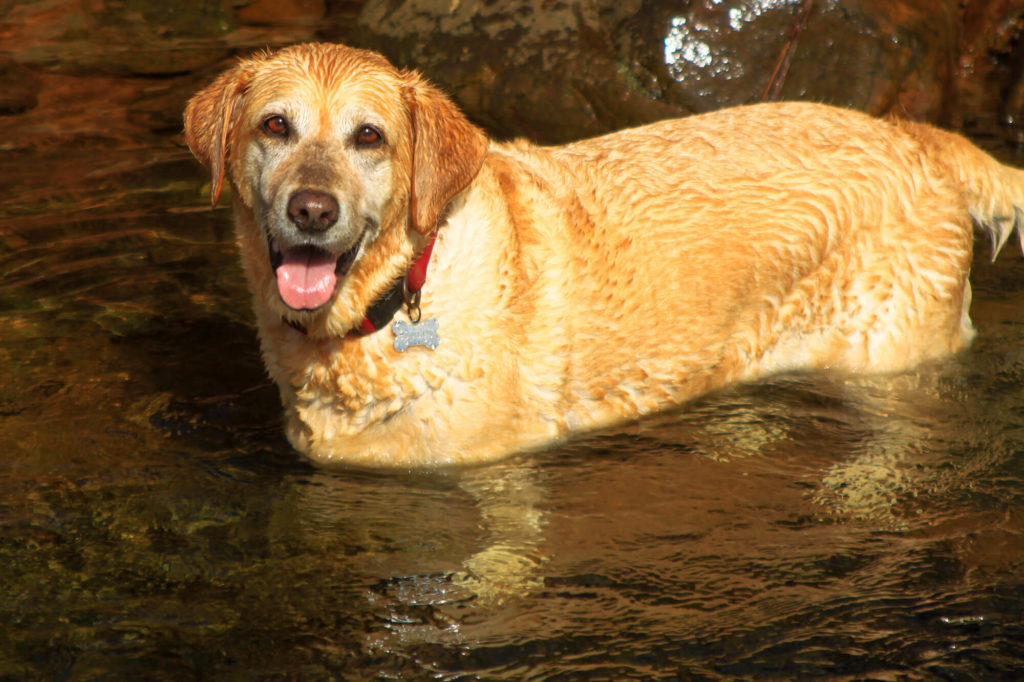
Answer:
(307, 276)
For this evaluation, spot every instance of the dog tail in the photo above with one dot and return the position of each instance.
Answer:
(994, 192)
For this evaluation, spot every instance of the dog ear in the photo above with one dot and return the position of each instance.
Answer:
(447, 152)
(210, 117)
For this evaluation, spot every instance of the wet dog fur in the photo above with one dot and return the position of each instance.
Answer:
(581, 285)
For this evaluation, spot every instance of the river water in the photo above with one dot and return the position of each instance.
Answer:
(155, 525)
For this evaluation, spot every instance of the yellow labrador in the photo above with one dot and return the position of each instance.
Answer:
(559, 289)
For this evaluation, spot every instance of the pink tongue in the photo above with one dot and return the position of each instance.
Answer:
(305, 278)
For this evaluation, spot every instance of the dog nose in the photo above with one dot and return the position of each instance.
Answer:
(312, 210)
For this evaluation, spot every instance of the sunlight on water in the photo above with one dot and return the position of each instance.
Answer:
(747, 12)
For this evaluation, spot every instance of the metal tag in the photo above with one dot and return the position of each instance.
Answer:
(422, 334)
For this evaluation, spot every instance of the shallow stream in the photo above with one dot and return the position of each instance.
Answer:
(155, 525)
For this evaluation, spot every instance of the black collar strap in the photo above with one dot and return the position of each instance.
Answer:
(381, 312)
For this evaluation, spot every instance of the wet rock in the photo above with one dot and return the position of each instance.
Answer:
(19, 88)
(128, 37)
(873, 55)
(552, 70)
(158, 104)
(283, 12)
(557, 70)
(991, 62)
(91, 70)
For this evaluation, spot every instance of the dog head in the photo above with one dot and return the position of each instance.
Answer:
(342, 166)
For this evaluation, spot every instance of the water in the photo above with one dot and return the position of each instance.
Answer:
(155, 525)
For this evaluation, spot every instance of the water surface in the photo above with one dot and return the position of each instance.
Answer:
(155, 525)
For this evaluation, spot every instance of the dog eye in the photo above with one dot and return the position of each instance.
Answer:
(368, 136)
(276, 125)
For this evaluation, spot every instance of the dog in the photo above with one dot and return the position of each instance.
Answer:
(428, 296)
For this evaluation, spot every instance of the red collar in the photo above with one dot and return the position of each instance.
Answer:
(405, 292)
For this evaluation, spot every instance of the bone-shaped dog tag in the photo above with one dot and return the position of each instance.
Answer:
(421, 334)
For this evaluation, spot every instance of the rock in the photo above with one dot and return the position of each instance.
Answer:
(283, 12)
(134, 37)
(552, 74)
(557, 70)
(19, 88)
(990, 73)
(872, 55)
